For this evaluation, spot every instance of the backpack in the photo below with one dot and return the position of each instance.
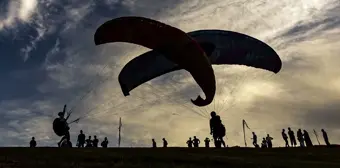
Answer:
(222, 130)
(60, 127)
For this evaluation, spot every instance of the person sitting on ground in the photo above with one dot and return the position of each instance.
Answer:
(189, 142)
(196, 142)
(269, 141)
(207, 141)
(66, 144)
(33, 143)
(165, 143)
(105, 143)
(95, 141)
(89, 142)
(264, 143)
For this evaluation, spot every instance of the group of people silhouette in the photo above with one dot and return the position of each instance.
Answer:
(302, 136)
(217, 130)
(154, 143)
(195, 142)
(81, 142)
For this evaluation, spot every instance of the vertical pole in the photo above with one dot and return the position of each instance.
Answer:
(316, 135)
(119, 128)
(244, 133)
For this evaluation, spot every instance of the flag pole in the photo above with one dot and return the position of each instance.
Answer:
(316, 135)
(244, 133)
(119, 129)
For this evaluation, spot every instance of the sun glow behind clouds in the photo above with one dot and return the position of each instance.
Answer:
(27, 8)
(252, 90)
(20, 11)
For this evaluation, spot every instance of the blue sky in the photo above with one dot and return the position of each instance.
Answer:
(48, 58)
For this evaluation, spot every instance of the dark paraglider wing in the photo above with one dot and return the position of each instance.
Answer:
(148, 66)
(236, 48)
(142, 69)
(227, 47)
(222, 47)
(171, 42)
(142, 31)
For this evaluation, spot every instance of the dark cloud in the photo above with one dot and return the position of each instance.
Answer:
(42, 75)
(317, 26)
(323, 116)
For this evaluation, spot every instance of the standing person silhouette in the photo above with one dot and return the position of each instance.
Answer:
(33, 143)
(291, 137)
(154, 144)
(325, 137)
(206, 142)
(81, 139)
(308, 141)
(264, 143)
(300, 138)
(269, 141)
(255, 140)
(217, 129)
(285, 137)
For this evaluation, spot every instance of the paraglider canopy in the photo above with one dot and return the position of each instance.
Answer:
(222, 48)
(172, 43)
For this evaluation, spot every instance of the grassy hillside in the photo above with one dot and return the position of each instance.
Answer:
(170, 157)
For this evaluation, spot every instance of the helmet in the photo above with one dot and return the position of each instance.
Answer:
(60, 114)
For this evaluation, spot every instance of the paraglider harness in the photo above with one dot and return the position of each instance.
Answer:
(219, 130)
(222, 130)
(60, 127)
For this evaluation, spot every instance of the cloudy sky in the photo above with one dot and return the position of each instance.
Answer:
(48, 58)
